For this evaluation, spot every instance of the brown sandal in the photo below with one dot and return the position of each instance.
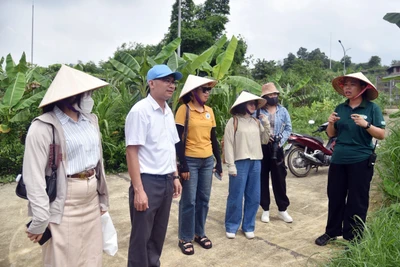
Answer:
(184, 246)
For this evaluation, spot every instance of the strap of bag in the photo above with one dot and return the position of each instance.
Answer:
(376, 142)
(185, 129)
(53, 152)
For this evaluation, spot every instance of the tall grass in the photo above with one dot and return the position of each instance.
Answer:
(380, 245)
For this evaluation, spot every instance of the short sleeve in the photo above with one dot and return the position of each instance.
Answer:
(377, 117)
(214, 123)
(180, 115)
(136, 125)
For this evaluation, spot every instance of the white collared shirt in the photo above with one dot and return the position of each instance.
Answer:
(82, 142)
(155, 132)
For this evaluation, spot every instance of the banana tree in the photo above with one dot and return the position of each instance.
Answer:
(128, 70)
(287, 95)
(20, 94)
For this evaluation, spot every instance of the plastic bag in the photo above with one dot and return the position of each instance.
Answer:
(110, 240)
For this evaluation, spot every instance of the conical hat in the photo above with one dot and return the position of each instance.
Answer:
(371, 92)
(245, 97)
(194, 81)
(69, 82)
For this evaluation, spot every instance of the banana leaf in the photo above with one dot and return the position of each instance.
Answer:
(167, 51)
(244, 83)
(122, 68)
(173, 62)
(15, 91)
(24, 115)
(30, 101)
(393, 18)
(130, 61)
(226, 61)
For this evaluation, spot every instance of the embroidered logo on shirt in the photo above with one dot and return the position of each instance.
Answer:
(383, 122)
(208, 116)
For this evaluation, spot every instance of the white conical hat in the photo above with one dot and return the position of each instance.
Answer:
(371, 92)
(69, 82)
(194, 81)
(245, 97)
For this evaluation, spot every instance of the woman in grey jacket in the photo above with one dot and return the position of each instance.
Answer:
(73, 218)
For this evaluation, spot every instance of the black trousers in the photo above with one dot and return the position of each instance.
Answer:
(348, 195)
(150, 227)
(277, 168)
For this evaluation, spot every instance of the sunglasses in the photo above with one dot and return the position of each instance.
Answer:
(206, 89)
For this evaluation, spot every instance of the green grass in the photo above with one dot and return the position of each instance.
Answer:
(380, 245)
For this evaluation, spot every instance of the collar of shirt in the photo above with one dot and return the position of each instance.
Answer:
(192, 108)
(64, 118)
(363, 103)
(156, 106)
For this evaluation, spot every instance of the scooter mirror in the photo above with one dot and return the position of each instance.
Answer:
(311, 122)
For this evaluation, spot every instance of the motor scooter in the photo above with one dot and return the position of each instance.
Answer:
(305, 152)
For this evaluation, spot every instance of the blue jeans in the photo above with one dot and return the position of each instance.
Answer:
(246, 184)
(193, 206)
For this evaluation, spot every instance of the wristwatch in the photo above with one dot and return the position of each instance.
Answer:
(368, 126)
(176, 177)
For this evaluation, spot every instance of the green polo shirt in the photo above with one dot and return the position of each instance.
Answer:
(354, 143)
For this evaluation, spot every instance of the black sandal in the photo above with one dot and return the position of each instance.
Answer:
(184, 246)
(202, 241)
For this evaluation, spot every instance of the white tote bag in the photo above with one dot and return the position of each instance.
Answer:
(110, 240)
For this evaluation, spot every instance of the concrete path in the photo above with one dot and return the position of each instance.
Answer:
(276, 244)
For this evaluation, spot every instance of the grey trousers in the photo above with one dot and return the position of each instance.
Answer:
(150, 227)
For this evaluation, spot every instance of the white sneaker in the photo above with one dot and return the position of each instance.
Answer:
(265, 216)
(230, 235)
(249, 235)
(284, 215)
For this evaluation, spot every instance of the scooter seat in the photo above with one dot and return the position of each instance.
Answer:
(316, 138)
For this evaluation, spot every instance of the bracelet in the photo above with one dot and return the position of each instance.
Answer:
(368, 126)
(176, 177)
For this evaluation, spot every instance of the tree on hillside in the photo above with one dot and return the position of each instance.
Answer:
(374, 62)
(289, 61)
(201, 25)
(263, 69)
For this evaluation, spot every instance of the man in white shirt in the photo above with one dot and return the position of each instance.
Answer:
(151, 135)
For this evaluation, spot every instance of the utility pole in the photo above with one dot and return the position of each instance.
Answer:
(33, 15)
(179, 26)
(344, 57)
(330, 50)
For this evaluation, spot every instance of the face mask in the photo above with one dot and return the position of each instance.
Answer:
(272, 101)
(87, 104)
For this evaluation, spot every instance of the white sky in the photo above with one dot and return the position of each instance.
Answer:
(66, 31)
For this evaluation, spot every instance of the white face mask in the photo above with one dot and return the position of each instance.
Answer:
(86, 105)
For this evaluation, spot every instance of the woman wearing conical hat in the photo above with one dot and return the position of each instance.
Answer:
(354, 122)
(196, 159)
(243, 137)
(73, 218)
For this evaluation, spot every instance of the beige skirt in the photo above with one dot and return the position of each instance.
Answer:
(78, 240)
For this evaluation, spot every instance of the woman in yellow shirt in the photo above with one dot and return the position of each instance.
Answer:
(196, 159)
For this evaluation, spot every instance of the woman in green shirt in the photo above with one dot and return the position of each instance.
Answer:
(355, 122)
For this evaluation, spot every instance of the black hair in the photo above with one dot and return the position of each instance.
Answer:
(59, 103)
(187, 98)
(241, 109)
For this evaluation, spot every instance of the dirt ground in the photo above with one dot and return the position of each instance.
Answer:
(276, 243)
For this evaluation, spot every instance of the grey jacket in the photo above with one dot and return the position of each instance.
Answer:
(35, 167)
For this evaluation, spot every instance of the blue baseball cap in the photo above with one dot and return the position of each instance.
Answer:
(159, 71)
